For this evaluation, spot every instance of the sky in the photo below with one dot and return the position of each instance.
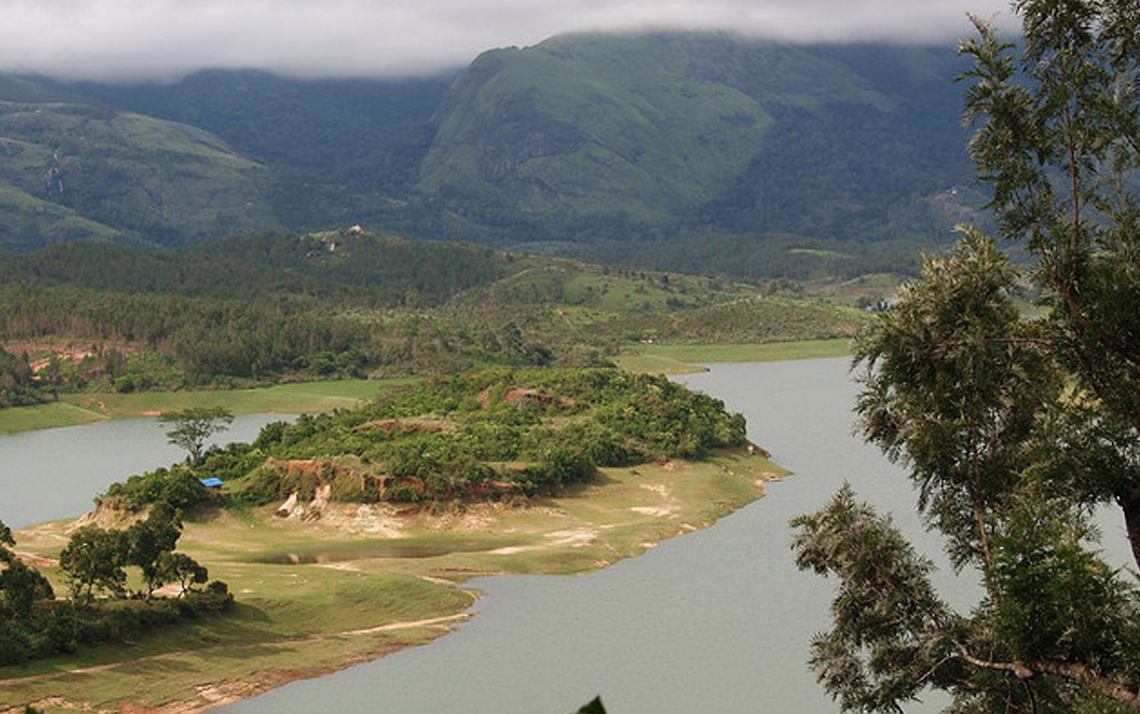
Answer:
(130, 40)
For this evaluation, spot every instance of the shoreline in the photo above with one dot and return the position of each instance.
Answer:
(79, 408)
(559, 544)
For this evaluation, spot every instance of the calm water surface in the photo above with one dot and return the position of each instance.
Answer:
(55, 473)
(716, 621)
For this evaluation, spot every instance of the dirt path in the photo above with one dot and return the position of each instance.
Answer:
(391, 627)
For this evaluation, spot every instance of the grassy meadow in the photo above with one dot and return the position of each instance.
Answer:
(296, 398)
(345, 599)
(683, 359)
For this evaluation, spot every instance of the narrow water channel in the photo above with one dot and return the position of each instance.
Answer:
(716, 621)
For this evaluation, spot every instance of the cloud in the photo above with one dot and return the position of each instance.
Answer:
(164, 39)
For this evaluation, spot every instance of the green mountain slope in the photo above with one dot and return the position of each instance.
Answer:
(591, 125)
(673, 151)
(71, 170)
(339, 149)
(641, 132)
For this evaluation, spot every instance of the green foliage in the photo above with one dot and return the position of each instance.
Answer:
(149, 544)
(276, 307)
(486, 434)
(178, 487)
(888, 619)
(92, 562)
(594, 707)
(970, 398)
(17, 386)
(33, 624)
(193, 425)
(20, 587)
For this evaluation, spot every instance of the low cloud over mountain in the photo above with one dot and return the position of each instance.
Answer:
(165, 39)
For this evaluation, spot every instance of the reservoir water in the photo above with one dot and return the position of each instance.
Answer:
(716, 621)
(55, 473)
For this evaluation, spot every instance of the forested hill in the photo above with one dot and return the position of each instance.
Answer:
(277, 306)
(582, 140)
(625, 135)
(371, 269)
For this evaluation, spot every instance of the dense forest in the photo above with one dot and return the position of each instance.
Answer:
(270, 307)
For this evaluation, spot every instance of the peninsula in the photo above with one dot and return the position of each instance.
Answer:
(347, 536)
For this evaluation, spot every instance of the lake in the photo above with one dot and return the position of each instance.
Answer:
(715, 621)
(55, 473)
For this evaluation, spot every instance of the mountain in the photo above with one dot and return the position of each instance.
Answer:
(340, 150)
(73, 170)
(635, 148)
(607, 135)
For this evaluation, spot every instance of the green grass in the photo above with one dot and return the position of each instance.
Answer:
(297, 398)
(45, 416)
(680, 359)
(296, 621)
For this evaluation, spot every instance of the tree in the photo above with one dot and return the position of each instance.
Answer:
(1012, 430)
(1061, 145)
(6, 540)
(93, 559)
(149, 542)
(193, 425)
(971, 399)
(181, 568)
(20, 587)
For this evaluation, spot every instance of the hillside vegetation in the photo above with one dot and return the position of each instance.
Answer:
(72, 170)
(667, 151)
(487, 434)
(613, 136)
(272, 307)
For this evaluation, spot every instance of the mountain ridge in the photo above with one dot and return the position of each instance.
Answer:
(581, 140)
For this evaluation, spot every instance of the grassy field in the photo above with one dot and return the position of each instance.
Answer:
(301, 397)
(301, 620)
(682, 359)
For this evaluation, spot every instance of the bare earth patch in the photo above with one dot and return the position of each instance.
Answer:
(623, 513)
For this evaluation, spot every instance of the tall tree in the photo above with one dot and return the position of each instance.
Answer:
(93, 560)
(193, 425)
(1059, 139)
(1013, 431)
(150, 541)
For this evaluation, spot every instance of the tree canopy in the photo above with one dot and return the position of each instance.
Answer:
(193, 425)
(1013, 430)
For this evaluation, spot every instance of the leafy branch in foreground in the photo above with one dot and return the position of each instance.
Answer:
(968, 397)
(1013, 431)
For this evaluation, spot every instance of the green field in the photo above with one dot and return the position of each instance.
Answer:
(303, 620)
(296, 398)
(682, 359)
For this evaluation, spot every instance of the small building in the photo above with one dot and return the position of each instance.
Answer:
(211, 483)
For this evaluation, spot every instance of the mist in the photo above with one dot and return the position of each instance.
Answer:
(131, 40)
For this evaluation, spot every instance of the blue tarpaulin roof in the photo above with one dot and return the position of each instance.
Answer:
(207, 482)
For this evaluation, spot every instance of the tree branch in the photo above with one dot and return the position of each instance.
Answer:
(1075, 671)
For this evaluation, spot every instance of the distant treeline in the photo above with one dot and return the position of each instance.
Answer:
(271, 307)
